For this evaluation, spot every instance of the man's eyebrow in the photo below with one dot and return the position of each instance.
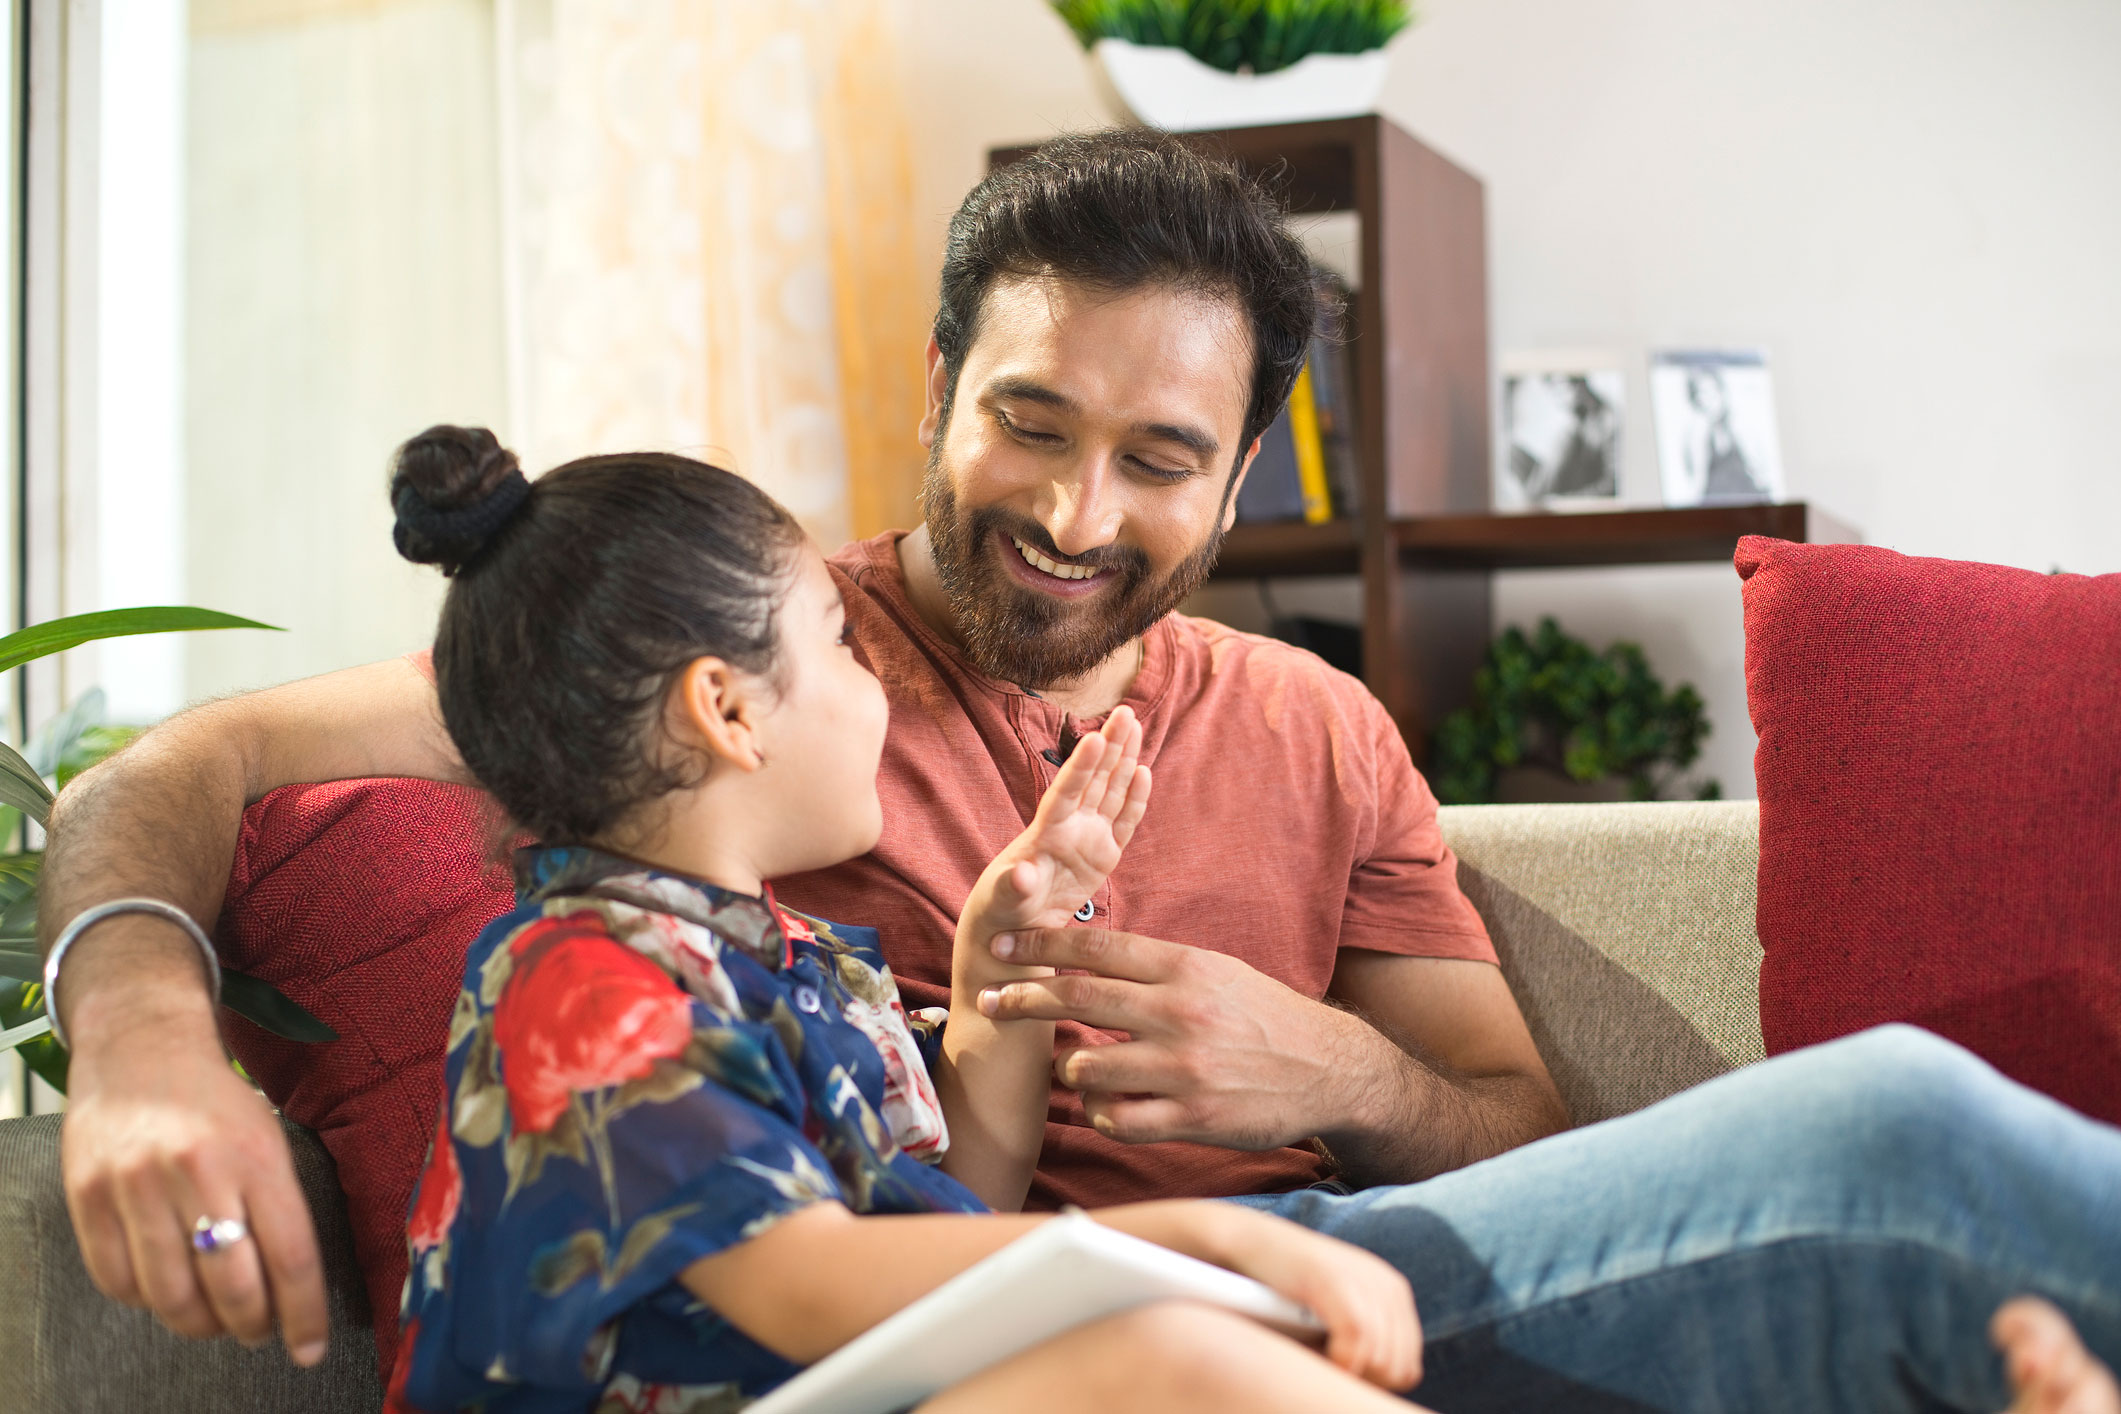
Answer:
(1031, 390)
(1193, 439)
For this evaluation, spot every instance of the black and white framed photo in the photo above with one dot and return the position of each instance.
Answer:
(1562, 415)
(1715, 413)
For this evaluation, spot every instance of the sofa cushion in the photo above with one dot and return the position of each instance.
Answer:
(358, 899)
(1626, 933)
(65, 1347)
(1940, 806)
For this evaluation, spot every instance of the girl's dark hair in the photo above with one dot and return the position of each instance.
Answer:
(572, 605)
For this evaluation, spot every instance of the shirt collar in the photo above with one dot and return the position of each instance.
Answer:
(755, 925)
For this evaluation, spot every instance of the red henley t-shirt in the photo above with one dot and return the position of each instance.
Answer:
(1287, 823)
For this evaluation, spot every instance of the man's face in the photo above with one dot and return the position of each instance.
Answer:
(1083, 484)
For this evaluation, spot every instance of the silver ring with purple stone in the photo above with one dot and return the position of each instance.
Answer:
(210, 1235)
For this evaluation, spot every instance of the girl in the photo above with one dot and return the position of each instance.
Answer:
(691, 1141)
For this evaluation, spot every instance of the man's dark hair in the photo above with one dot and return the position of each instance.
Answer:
(1124, 210)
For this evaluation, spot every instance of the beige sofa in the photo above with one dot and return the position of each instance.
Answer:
(1626, 930)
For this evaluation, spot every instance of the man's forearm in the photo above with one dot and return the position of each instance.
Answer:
(1406, 1121)
(156, 821)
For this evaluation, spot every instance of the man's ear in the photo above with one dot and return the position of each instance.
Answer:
(1237, 484)
(714, 708)
(938, 385)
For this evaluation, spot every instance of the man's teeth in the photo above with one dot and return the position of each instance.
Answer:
(1037, 561)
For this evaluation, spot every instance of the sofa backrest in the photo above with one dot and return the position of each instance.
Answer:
(1627, 933)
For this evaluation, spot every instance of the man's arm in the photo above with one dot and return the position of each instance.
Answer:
(1432, 1068)
(159, 1129)
(1458, 1079)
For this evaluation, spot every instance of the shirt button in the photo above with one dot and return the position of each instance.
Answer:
(1087, 912)
(807, 999)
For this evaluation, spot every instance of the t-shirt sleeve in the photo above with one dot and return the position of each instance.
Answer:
(1403, 895)
(645, 1131)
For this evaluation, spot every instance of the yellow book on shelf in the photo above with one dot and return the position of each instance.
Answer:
(1310, 450)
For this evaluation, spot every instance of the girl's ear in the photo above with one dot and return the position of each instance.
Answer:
(718, 709)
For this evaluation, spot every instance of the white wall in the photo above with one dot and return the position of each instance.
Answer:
(343, 291)
(139, 545)
(1912, 205)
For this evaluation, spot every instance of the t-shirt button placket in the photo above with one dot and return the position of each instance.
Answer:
(1087, 912)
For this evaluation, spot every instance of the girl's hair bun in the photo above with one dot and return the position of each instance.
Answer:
(454, 488)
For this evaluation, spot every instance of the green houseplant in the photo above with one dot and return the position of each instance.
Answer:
(1241, 36)
(69, 745)
(1191, 64)
(1548, 700)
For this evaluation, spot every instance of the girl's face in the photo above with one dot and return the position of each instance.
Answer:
(822, 733)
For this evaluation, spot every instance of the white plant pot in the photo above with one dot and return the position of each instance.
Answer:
(1168, 88)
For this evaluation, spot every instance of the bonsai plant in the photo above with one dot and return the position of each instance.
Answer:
(66, 747)
(1182, 64)
(1547, 700)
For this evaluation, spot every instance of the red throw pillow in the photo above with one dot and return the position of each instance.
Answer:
(1940, 806)
(359, 899)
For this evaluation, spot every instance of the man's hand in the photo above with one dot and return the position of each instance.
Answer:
(1219, 1053)
(161, 1131)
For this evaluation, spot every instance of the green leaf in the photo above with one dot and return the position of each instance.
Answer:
(51, 741)
(40, 640)
(21, 960)
(22, 787)
(265, 1004)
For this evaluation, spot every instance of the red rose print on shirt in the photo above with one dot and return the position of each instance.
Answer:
(580, 1012)
(434, 1208)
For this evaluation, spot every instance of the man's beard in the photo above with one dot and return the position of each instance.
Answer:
(1037, 640)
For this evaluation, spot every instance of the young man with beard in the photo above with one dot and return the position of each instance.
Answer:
(1280, 995)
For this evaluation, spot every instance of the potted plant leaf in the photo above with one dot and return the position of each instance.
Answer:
(1185, 65)
(1554, 720)
(67, 746)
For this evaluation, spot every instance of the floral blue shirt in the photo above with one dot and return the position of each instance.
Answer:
(643, 1071)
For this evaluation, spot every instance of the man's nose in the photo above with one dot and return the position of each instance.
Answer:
(1080, 509)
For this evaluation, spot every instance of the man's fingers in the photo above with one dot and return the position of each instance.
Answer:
(286, 1238)
(1126, 956)
(230, 1277)
(1132, 1121)
(1095, 1001)
(1125, 1068)
(101, 1235)
(158, 1240)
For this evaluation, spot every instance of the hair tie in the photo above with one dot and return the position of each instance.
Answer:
(470, 526)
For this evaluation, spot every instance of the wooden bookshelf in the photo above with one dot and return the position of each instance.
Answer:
(1526, 540)
(1422, 538)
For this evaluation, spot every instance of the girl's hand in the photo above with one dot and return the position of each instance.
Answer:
(1074, 842)
(1372, 1330)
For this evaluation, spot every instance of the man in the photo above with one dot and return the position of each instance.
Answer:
(1280, 994)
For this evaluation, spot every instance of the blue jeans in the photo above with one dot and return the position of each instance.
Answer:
(1829, 1230)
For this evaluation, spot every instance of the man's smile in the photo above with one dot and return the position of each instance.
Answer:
(1051, 575)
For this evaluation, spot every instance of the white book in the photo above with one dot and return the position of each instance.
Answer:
(1063, 1274)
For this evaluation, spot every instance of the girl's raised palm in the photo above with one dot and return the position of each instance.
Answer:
(1074, 842)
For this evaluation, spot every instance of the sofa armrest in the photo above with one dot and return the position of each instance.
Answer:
(66, 1346)
(1626, 932)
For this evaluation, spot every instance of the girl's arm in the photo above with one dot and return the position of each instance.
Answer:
(996, 1076)
(815, 1280)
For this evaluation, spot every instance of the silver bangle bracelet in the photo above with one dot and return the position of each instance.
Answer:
(90, 917)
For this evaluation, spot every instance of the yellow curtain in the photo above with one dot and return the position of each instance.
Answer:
(707, 247)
